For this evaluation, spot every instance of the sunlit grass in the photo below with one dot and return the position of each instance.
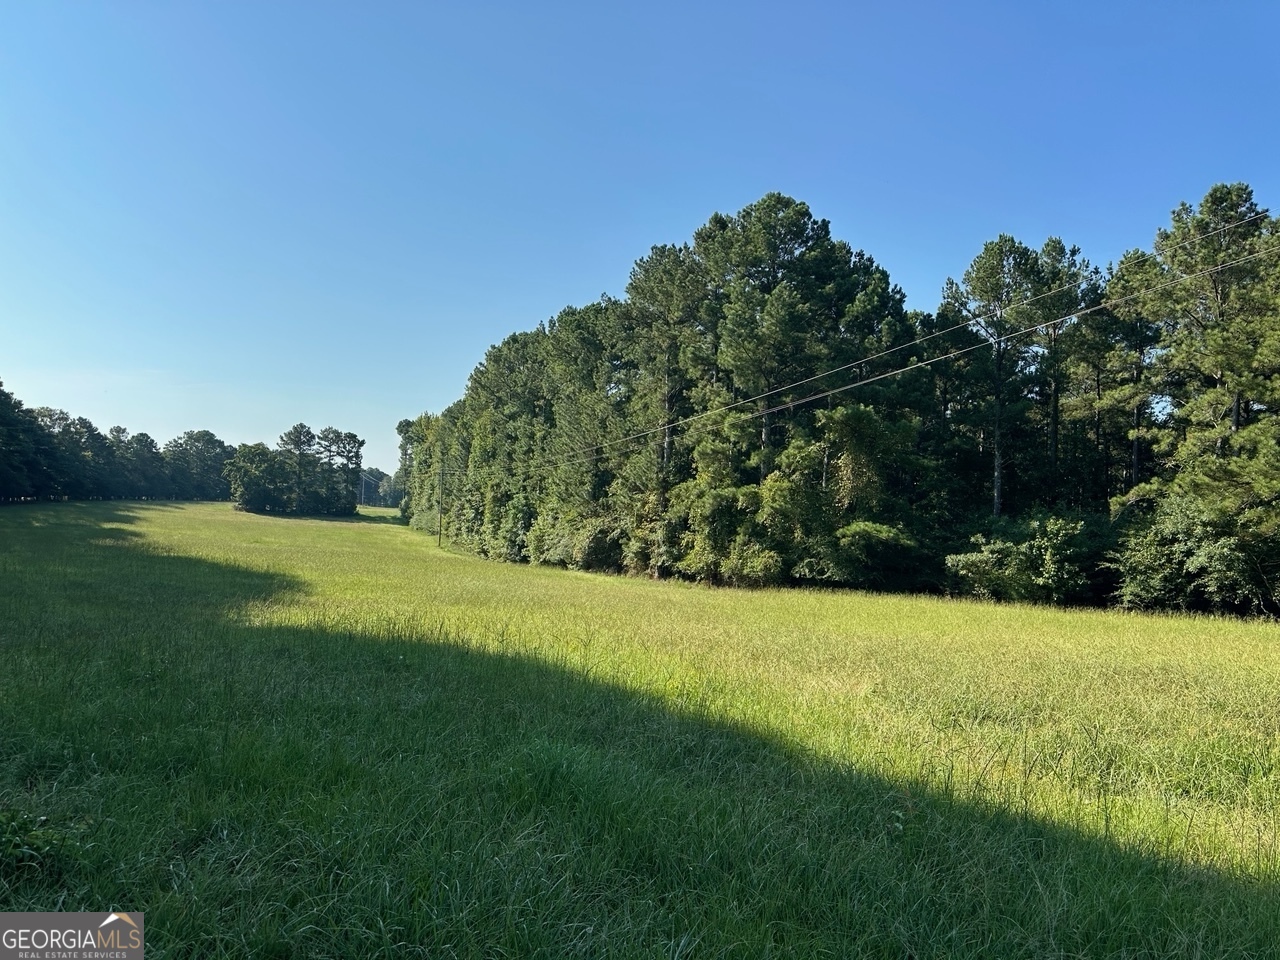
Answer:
(286, 736)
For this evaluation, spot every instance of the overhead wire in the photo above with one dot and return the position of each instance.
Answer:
(592, 451)
(891, 350)
(986, 343)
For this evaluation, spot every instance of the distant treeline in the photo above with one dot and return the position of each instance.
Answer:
(762, 408)
(46, 454)
(308, 473)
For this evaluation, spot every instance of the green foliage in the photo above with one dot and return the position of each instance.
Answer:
(992, 572)
(48, 454)
(762, 409)
(1191, 555)
(877, 556)
(257, 478)
(1049, 564)
(751, 565)
(566, 448)
(308, 474)
(27, 453)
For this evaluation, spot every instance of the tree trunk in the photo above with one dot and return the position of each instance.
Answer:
(764, 446)
(666, 429)
(1137, 421)
(997, 492)
(997, 452)
(1053, 426)
(1137, 447)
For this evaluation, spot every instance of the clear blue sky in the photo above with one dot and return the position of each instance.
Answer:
(237, 216)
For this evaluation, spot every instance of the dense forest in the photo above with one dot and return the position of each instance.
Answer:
(46, 454)
(308, 473)
(762, 408)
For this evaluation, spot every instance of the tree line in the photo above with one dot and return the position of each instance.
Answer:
(762, 408)
(308, 473)
(46, 454)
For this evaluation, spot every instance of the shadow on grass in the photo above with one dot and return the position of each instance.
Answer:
(94, 512)
(270, 791)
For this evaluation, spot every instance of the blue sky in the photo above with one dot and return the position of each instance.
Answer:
(238, 216)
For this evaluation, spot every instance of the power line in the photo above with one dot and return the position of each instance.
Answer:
(891, 350)
(1010, 336)
(791, 404)
(591, 451)
(371, 479)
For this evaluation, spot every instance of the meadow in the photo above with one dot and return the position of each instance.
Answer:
(285, 737)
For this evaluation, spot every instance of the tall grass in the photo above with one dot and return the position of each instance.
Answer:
(287, 737)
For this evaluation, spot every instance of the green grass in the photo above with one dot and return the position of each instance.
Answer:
(294, 737)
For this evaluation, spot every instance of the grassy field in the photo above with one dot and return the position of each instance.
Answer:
(284, 737)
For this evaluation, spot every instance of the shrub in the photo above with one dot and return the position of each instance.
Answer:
(751, 565)
(1187, 555)
(1052, 563)
(597, 546)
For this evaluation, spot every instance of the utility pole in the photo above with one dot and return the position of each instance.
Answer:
(365, 478)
